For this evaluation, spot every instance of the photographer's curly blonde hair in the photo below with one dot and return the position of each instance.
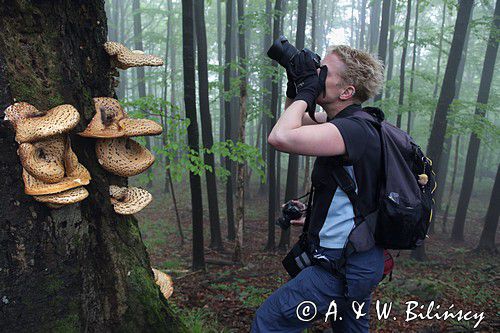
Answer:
(363, 70)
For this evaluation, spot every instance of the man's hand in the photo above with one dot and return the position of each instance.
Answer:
(309, 85)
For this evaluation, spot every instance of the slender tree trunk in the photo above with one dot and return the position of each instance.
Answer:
(292, 177)
(193, 137)
(122, 87)
(474, 142)
(228, 120)
(141, 82)
(271, 156)
(390, 61)
(452, 186)
(409, 124)
(436, 140)
(363, 25)
(403, 63)
(240, 193)
(440, 51)
(442, 174)
(81, 267)
(384, 31)
(374, 24)
(221, 75)
(165, 91)
(206, 125)
(487, 240)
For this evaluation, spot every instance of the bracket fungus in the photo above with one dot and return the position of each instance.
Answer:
(64, 198)
(129, 200)
(123, 156)
(32, 125)
(75, 175)
(44, 160)
(111, 121)
(124, 58)
(164, 281)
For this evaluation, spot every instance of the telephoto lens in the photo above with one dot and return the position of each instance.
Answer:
(282, 52)
(290, 212)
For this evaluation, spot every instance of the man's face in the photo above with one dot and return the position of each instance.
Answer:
(334, 87)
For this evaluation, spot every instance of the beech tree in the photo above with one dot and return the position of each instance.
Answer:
(81, 267)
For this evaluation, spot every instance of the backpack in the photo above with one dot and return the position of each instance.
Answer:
(406, 198)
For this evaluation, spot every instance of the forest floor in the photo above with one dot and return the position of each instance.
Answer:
(224, 298)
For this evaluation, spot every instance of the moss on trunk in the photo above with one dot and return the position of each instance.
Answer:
(82, 267)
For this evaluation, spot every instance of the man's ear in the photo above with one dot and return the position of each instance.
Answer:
(348, 93)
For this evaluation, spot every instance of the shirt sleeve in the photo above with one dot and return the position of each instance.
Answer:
(355, 136)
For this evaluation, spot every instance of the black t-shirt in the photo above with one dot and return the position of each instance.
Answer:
(332, 216)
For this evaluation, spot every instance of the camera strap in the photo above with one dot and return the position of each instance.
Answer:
(308, 210)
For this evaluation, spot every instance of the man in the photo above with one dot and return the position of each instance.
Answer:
(347, 78)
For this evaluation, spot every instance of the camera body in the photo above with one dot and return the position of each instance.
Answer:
(282, 51)
(291, 211)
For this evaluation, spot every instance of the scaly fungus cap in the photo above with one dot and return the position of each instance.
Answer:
(123, 156)
(32, 125)
(129, 200)
(125, 58)
(75, 175)
(111, 121)
(44, 160)
(164, 281)
(67, 197)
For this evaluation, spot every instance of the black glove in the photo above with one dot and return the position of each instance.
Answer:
(308, 83)
(291, 91)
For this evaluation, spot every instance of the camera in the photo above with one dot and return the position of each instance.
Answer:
(290, 211)
(282, 51)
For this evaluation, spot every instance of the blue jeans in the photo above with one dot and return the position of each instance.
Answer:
(281, 311)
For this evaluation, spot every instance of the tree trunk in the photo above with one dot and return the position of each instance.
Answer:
(228, 120)
(292, 176)
(403, 63)
(240, 193)
(384, 31)
(442, 173)
(487, 241)
(220, 75)
(374, 24)
(435, 145)
(206, 125)
(409, 124)
(363, 25)
(390, 61)
(141, 82)
(190, 104)
(440, 51)
(474, 142)
(81, 267)
(271, 156)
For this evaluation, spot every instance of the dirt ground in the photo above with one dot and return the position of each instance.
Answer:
(225, 297)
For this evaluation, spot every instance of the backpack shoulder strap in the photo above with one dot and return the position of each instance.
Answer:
(347, 184)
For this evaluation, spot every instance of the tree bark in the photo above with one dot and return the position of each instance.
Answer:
(292, 176)
(240, 193)
(81, 267)
(474, 142)
(228, 120)
(374, 24)
(487, 240)
(403, 63)
(363, 25)
(206, 125)
(435, 145)
(409, 124)
(271, 155)
(384, 31)
(193, 137)
(390, 61)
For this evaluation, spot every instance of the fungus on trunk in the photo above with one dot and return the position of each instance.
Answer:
(124, 58)
(129, 200)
